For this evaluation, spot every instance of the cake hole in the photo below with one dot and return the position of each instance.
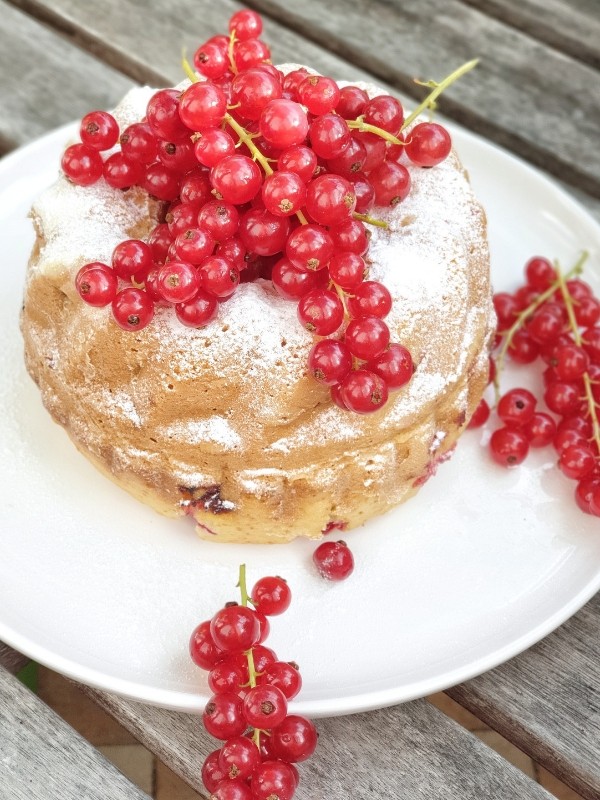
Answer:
(170, 386)
(284, 342)
(225, 328)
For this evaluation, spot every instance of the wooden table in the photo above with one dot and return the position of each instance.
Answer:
(536, 92)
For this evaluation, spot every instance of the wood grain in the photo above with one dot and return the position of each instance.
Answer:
(547, 701)
(42, 758)
(45, 80)
(571, 27)
(11, 660)
(410, 751)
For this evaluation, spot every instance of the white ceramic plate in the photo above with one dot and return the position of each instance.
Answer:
(482, 564)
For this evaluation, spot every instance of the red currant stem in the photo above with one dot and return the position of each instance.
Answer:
(524, 315)
(249, 653)
(587, 382)
(302, 218)
(230, 52)
(378, 223)
(429, 101)
(187, 67)
(363, 126)
(246, 138)
(242, 586)
(342, 295)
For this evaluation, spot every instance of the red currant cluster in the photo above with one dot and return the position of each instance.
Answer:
(249, 708)
(554, 318)
(265, 175)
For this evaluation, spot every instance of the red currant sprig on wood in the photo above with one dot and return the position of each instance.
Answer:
(251, 691)
(552, 317)
(240, 158)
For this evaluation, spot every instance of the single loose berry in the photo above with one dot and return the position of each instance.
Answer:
(283, 193)
(329, 136)
(334, 560)
(539, 273)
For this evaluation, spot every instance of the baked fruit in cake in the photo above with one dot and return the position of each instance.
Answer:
(225, 421)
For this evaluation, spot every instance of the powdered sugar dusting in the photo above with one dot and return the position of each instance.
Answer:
(213, 429)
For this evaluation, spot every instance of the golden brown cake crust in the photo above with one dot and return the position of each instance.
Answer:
(223, 422)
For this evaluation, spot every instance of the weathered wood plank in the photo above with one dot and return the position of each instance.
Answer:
(46, 81)
(547, 701)
(528, 97)
(410, 751)
(571, 27)
(42, 758)
(11, 660)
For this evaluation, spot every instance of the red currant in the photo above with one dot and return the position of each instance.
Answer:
(516, 407)
(235, 628)
(428, 144)
(97, 284)
(271, 595)
(284, 123)
(363, 391)
(273, 780)
(295, 739)
(237, 178)
(132, 309)
(509, 446)
(99, 130)
(82, 164)
(198, 312)
(265, 707)
(321, 311)
(329, 361)
(224, 717)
